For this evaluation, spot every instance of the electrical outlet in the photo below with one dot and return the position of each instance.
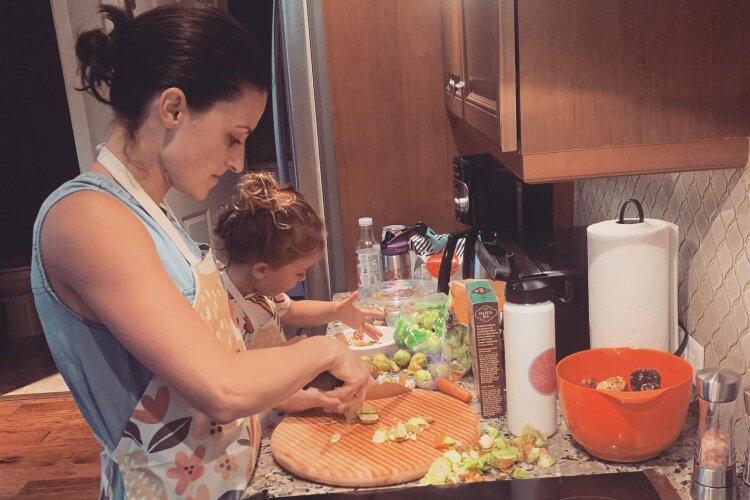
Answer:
(695, 354)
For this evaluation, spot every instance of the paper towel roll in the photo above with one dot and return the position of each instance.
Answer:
(633, 284)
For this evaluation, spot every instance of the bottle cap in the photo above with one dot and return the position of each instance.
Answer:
(718, 385)
(365, 221)
(528, 292)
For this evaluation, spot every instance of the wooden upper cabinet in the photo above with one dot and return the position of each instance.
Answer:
(596, 88)
(453, 56)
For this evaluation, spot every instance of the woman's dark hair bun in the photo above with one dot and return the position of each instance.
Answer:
(95, 50)
(200, 50)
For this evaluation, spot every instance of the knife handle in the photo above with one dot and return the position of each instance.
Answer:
(325, 381)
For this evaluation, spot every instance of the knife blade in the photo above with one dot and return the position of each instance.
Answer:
(379, 391)
(385, 390)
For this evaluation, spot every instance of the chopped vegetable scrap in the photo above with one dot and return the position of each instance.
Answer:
(335, 437)
(356, 339)
(510, 456)
(401, 431)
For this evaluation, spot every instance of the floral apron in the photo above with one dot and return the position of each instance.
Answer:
(169, 449)
(258, 336)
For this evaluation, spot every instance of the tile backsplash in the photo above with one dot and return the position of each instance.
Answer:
(712, 210)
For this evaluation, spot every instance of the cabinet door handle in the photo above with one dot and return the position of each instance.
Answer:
(451, 87)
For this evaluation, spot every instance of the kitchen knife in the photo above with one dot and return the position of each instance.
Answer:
(379, 391)
(326, 382)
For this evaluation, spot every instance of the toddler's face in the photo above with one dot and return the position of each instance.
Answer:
(284, 278)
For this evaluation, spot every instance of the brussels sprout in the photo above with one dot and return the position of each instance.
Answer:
(368, 418)
(486, 442)
(420, 358)
(368, 410)
(380, 357)
(453, 456)
(423, 379)
(382, 365)
(518, 473)
(492, 431)
(402, 358)
(532, 455)
(380, 436)
(545, 460)
(501, 443)
(413, 367)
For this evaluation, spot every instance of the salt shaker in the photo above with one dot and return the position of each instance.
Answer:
(714, 462)
(746, 472)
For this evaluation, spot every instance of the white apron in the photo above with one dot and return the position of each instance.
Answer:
(169, 449)
(260, 336)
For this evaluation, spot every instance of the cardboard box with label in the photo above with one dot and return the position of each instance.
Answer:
(485, 309)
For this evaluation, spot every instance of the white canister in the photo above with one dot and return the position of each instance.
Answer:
(529, 334)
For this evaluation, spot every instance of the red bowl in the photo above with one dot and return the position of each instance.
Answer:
(624, 426)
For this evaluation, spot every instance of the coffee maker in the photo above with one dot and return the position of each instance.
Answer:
(490, 199)
(511, 237)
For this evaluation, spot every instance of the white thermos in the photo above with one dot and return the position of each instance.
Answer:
(529, 334)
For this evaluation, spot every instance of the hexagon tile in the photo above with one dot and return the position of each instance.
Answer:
(712, 210)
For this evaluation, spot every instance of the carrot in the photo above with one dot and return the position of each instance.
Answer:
(451, 388)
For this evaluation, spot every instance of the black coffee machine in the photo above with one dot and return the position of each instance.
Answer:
(490, 199)
(511, 237)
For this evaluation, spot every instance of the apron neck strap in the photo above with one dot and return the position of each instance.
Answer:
(123, 177)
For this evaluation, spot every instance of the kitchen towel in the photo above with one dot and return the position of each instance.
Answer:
(633, 283)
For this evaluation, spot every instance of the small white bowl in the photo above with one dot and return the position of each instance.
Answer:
(386, 344)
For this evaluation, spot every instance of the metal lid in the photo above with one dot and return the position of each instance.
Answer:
(718, 385)
(528, 292)
(747, 401)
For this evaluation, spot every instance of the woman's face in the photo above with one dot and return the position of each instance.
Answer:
(208, 144)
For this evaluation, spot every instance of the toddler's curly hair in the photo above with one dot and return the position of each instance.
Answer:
(266, 221)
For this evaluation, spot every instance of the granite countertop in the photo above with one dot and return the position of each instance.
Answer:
(571, 459)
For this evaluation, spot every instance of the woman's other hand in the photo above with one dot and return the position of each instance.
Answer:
(356, 318)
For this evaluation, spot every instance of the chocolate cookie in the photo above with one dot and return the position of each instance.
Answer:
(646, 379)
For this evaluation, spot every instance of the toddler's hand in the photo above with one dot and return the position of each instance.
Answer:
(356, 318)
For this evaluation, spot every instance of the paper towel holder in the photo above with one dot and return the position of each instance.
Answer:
(622, 220)
(638, 206)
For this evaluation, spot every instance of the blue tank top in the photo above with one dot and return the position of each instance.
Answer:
(105, 380)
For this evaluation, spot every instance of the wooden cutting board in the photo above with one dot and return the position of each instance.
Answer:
(302, 443)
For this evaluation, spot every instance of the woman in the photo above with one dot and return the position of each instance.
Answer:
(137, 321)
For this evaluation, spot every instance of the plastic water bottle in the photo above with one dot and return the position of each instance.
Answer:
(368, 255)
(529, 331)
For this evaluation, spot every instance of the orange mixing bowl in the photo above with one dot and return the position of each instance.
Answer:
(624, 426)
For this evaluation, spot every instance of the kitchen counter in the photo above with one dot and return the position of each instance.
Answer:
(675, 463)
(571, 460)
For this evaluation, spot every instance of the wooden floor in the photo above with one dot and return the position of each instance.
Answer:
(24, 363)
(46, 450)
